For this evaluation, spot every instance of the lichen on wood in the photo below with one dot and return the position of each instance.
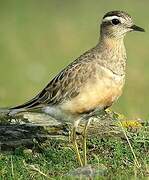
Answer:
(23, 129)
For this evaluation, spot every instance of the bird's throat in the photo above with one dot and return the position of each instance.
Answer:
(113, 54)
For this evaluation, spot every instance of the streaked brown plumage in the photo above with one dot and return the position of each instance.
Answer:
(93, 81)
(81, 86)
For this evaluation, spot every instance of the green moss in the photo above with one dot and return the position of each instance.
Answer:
(56, 158)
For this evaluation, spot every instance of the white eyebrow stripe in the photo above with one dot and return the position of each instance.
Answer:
(109, 18)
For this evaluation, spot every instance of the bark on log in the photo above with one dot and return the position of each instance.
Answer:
(26, 128)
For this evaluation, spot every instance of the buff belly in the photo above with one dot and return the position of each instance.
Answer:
(99, 92)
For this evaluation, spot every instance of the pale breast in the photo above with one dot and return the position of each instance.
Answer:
(100, 91)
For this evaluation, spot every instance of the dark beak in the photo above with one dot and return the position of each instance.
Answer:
(137, 28)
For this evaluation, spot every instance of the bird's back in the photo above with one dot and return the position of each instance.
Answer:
(65, 85)
(82, 86)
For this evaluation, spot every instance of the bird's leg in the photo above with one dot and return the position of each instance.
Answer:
(75, 142)
(84, 141)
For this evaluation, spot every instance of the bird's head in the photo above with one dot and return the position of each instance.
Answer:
(115, 24)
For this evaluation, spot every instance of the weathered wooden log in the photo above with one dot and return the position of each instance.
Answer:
(26, 128)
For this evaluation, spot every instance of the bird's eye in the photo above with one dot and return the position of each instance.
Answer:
(115, 21)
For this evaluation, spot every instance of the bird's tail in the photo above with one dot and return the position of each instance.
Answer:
(31, 105)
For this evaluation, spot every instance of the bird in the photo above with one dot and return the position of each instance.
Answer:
(92, 82)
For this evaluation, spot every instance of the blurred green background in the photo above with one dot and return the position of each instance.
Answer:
(38, 38)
